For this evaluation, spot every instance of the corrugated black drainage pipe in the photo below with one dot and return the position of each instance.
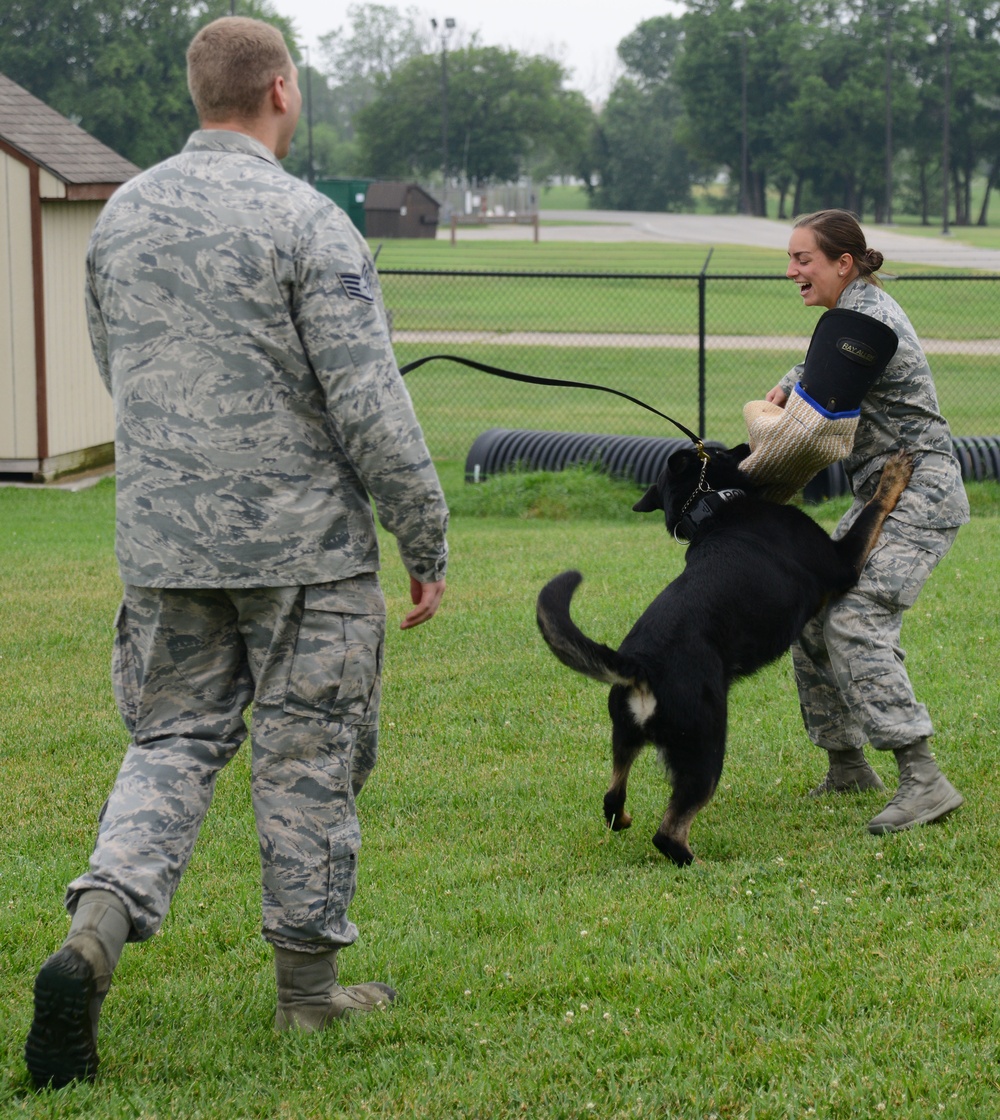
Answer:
(640, 458)
(978, 456)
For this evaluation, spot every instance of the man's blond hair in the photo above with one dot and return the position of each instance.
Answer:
(231, 64)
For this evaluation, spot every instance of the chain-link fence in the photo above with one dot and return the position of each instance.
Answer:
(694, 346)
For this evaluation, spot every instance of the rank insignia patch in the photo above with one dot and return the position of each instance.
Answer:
(358, 286)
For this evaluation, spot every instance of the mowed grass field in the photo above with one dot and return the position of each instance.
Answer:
(546, 967)
(455, 404)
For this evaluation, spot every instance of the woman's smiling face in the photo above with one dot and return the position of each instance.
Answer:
(820, 279)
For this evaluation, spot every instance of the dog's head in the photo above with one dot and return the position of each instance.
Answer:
(680, 477)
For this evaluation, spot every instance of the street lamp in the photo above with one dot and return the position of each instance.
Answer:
(443, 33)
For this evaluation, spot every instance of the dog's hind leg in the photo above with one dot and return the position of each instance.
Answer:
(694, 785)
(860, 539)
(626, 743)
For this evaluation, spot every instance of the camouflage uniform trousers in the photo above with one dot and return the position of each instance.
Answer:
(186, 665)
(853, 687)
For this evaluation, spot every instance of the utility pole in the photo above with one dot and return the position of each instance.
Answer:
(888, 114)
(744, 145)
(311, 174)
(946, 135)
(443, 33)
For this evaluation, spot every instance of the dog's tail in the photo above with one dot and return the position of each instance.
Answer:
(568, 642)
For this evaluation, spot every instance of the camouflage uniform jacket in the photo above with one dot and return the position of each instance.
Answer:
(238, 323)
(901, 410)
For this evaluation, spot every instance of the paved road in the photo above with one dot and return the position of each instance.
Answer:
(706, 229)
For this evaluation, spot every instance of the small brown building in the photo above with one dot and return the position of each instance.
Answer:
(400, 210)
(55, 414)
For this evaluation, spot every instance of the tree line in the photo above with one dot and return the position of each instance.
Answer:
(868, 104)
(874, 105)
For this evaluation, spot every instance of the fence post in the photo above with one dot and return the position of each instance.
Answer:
(702, 281)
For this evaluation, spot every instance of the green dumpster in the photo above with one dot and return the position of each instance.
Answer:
(349, 195)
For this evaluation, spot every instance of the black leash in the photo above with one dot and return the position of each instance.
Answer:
(530, 379)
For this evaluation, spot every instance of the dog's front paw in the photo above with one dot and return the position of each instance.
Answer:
(679, 853)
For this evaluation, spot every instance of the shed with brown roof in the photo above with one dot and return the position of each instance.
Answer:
(55, 414)
(400, 210)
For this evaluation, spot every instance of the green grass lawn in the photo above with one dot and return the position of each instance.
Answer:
(546, 967)
(563, 198)
(456, 404)
(576, 256)
(754, 304)
(596, 256)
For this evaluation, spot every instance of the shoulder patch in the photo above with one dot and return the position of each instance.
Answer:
(358, 285)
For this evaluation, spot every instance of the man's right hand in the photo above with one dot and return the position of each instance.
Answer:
(427, 597)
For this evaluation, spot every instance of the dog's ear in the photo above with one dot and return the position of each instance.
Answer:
(679, 460)
(740, 452)
(650, 501)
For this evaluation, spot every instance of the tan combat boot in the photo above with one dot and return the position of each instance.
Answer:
(309, 997)
(923, 795)
(69, 990)
(849, 772)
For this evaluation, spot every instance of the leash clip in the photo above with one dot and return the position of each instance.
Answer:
(701, 488)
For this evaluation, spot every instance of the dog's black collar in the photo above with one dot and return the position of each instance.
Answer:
(704, 509)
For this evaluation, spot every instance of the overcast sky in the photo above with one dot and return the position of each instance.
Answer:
(582, 34)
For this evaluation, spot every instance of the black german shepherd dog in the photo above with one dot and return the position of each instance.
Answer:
(755, 573)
